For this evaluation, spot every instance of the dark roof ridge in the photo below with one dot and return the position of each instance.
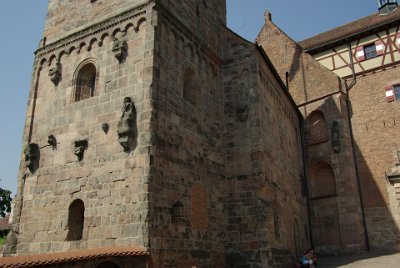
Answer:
(350, 29)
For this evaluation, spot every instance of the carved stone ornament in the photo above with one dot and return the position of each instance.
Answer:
(52, 141)
(55, 74)
(80, 147)
(105, 127)
(242, 106)
(242, 112)
(120, 48)
(32, 156)
(335, 132)
(126, 127)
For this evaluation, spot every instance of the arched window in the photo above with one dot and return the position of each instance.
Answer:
(322, 180)
(318, 128)
(76, 214)
(107, 264)
(85, 82)
(191, 90)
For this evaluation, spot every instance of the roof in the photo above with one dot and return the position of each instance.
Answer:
(4, 225)
(64, 257)
(352, 29)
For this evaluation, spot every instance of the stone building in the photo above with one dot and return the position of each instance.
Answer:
(346, 80)
(157, 137)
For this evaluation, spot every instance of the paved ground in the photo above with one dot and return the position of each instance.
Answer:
(386, 260)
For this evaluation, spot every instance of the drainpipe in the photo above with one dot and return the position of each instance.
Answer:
(348, 87)
(353, 72)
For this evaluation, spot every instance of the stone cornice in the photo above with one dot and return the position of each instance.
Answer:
(93, 29)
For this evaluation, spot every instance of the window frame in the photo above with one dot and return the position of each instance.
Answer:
(370, 51)
(77, 81)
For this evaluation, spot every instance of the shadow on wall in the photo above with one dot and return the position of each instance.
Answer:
(336, 216)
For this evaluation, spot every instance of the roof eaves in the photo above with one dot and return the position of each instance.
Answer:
(349, 37)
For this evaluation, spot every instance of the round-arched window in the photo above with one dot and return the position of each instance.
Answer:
(85, 82)
(76, 214)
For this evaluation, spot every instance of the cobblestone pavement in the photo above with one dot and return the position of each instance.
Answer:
(386, 260)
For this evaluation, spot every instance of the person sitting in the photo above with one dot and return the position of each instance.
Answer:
(308, 259)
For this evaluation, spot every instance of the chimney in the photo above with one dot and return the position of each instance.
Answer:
(387, 6)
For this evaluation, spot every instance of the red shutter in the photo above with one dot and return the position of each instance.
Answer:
(380, 47)
(360, 53)
(389, 92)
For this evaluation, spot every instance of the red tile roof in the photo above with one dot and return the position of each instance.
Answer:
(64, 257)
(4, 225)
(360, 26)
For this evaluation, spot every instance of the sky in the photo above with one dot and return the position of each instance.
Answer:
(22, 24)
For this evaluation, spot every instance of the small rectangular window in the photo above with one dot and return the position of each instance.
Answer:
(370, 51)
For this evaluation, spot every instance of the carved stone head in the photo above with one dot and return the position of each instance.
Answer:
(32, 156)
(126, 127)
(80, 147)
(55, 73)
(335, 132)
(119, 49)
(105, 127)
(242, 112)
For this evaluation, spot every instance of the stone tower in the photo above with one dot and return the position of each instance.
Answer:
(156, 136)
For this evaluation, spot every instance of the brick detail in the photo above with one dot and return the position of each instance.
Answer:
(199, 218)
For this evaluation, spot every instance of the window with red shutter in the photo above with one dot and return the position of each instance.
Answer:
(360, 55)
(380, 47)
(389, 92)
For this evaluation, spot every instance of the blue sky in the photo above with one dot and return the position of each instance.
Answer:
(22, 23)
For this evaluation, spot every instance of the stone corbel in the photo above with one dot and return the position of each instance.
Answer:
(80, 147)
(55, 74)
(120, 49)
(32, 156)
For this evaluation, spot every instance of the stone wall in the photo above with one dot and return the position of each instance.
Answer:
(375, 124)
(109, 180)
(264, 163)
(189, 145)
(69, 16)
(336, 216)
(188, 157)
